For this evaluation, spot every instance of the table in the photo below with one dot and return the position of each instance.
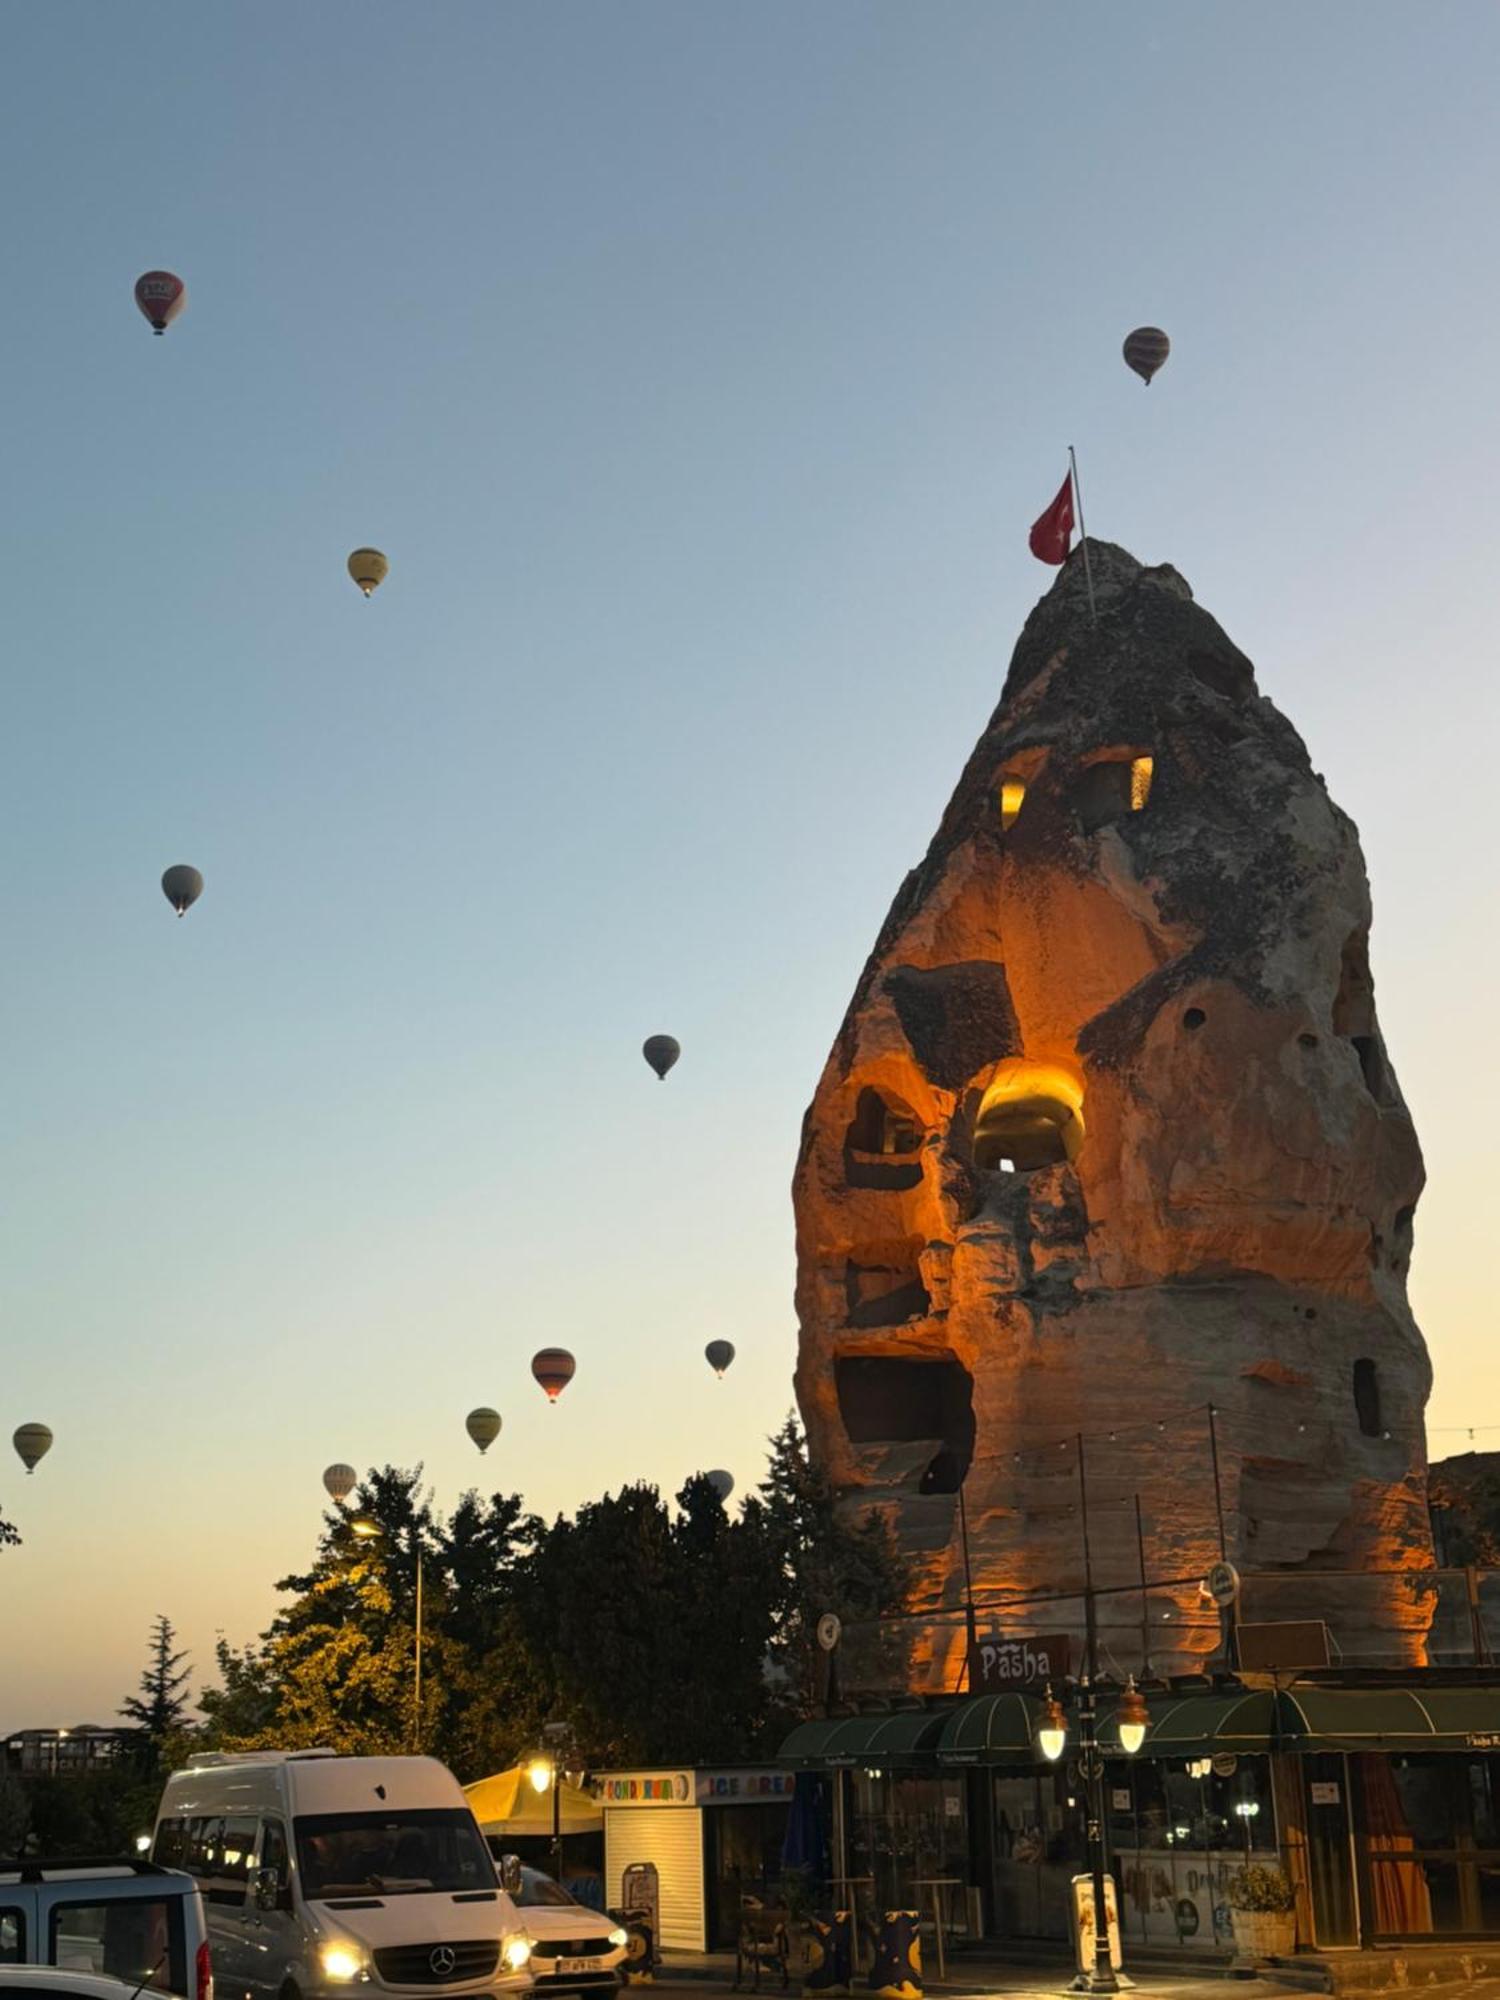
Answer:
(937, 1884)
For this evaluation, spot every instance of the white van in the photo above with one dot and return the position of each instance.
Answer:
(338, 1878)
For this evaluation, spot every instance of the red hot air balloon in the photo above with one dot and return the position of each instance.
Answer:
(161, 296)
(554, 1368)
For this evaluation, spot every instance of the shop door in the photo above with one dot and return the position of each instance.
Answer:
(1330, 1849)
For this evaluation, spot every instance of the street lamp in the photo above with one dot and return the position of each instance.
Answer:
(543, 1771)
(1131, 1719)
(368, 1530)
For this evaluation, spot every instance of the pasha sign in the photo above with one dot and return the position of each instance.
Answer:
(1013, 1666)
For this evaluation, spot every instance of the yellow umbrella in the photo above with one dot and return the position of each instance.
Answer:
(510, 1804)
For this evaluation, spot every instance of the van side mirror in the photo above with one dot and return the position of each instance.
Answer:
(267, 1888)
(510, 1874)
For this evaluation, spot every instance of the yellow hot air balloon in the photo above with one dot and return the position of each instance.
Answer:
(483, 1426)
(32, 1443)
(368, 567)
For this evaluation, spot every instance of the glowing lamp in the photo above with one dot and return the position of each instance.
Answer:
(1052, 1729)
(540, 1773)
(1132, 1718)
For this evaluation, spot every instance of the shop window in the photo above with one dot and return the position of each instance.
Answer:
(1031, 1116)
(882, 1143)
(1115, 785)
(887, 1288)
(906, 1398)
(1367, 1398)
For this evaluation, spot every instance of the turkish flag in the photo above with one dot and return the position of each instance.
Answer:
(1052, 531)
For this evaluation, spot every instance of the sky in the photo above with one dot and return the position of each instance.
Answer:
(700, 370)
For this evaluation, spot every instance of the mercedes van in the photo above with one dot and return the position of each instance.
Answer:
(340, 1878)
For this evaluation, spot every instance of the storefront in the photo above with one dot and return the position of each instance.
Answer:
(1381, 1803)
(713, 1836)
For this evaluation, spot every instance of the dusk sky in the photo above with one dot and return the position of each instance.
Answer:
(700, 369)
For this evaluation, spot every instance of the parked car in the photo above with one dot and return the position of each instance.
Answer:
(54, 1982)
(325, 1875)
(573, 1949)
(130, 1920)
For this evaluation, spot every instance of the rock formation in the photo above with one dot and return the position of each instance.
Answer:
(1110, 1136)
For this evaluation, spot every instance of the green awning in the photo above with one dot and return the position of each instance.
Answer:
(1432, 1718)
(1199, 1723)
(990, 1729)
(903, 1736)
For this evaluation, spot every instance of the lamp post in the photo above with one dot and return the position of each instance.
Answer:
(1131, 1720)
(368, 1530)
(543, 1771)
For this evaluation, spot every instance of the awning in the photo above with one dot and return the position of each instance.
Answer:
(904, 1736)
(509, 1804)
(991, 1729)
(1200, 1723)
(1432, 1718)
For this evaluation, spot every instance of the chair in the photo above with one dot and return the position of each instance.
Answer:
(764, 1942)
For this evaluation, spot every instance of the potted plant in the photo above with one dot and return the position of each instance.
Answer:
(1263, 1904)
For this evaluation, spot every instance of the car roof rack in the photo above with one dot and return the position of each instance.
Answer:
(37, 1867)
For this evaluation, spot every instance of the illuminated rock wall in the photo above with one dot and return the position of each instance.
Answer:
(1109, 1135)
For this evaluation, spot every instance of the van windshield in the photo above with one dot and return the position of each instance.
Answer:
(390, 1853)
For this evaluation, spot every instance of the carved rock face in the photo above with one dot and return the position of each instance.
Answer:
(1109, 1135)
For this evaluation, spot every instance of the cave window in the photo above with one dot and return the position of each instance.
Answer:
(887, 1289)
(1115, 785)
(1030, 1117)
(1012, 798)
(911, 1399)
(882, 1143)
(1367, 1398)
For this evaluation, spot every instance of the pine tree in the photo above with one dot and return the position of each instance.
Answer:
(160, 1709)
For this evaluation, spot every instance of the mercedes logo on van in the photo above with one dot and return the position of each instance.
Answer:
(442, 1959)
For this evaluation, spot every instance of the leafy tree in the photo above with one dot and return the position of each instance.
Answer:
(160, 1709)
(10, 1537)
(243, 1709)
(15, 1813)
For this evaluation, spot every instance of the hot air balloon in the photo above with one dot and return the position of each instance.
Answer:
(718, 1354)
(483, 1426)
(661, 1051)
(182, 886)
(721, 1481)
(368, 567)
(1145, 351)
(161, 296)
(553, 1368)
(339, 1482)
(32, 1443)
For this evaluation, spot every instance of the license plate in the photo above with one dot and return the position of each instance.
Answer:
(567, 1965)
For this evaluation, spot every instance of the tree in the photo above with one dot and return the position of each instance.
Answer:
(160, 1709)
(9, 1537)
(831, 1560)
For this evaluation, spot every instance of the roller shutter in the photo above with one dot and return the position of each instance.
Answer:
(672, 1837)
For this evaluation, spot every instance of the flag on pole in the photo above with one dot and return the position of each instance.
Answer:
(1051, 532)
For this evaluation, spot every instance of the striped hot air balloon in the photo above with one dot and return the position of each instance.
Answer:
(554, 1369)
(339, 1481)
(1145, 351)
(32, 1443)
(483, 1426)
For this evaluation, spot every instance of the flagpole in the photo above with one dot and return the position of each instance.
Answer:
(1083, 539)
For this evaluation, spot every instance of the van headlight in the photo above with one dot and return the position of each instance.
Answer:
(619, 1938)
(517, 1952)
(341, 1961)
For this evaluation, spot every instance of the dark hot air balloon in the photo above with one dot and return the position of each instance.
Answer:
(32, 1443)
(483, 1426)
(161, 296)
(722, 1482)
(719, 1354)
(182, 886)
(368, 567)
(339, 1482)
(1145, 351)
(661, 1051)
(554, 1368)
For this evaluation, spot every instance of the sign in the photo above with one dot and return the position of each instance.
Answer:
(647, 1788)
(1285, 1647)
(1009, 1666)
(1083, 1921)
(1120, 1798)
(1484, 1739)
(1323, 1795)
(744, 1788)
(953, 1808)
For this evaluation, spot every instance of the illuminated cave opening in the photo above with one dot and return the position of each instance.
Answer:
(1030, 1117)
(882, 1143)
(1012, 798)
(911, 1399)
(1114, 785)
